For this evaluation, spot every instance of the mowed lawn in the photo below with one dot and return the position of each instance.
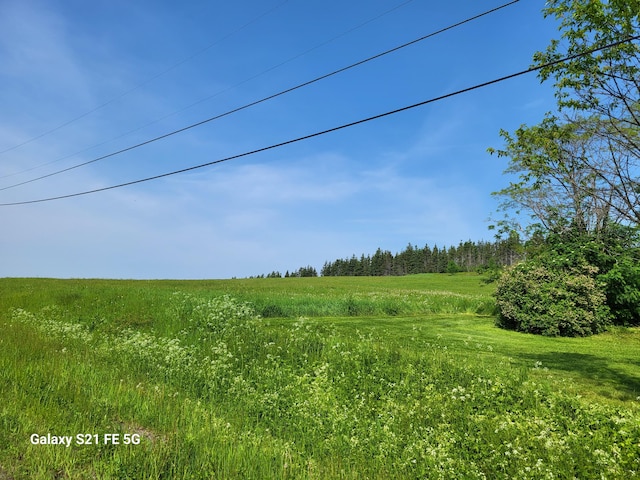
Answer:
(331, 377)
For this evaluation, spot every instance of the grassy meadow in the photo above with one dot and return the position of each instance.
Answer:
(318, 378)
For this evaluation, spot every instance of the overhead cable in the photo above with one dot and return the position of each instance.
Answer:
(198, 102)
(264, 99)
(334, 129)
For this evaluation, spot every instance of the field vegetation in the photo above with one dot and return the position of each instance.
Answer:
(372, 377)
(329, 377)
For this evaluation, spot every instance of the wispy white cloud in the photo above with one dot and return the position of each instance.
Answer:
(240, 220)
(415, 177)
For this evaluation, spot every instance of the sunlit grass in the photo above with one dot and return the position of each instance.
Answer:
(429, 390)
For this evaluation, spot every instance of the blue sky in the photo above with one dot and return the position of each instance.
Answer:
(79, 80)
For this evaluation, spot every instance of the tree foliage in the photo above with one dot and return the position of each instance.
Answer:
(578, 177)
(307, 271)
(606, 82)
(623, 291)
(556, 185)
(586, 159)
(466, 257)
(604, 87)
(535, 298)
(613, 253)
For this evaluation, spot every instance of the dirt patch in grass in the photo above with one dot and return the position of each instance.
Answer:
(4, 475)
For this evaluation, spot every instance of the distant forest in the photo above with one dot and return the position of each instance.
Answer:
(466, 257)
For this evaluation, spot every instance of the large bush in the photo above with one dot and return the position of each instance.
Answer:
(534, 298)
(613, 255)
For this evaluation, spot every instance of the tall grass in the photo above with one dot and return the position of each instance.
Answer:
(140, 302)
(217, 391)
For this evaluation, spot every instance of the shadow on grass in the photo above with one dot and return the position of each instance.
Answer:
(611, 382)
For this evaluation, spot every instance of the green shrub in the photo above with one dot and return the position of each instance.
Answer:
(452, 267)
(535, 298)
(623, 292)
(614, 252)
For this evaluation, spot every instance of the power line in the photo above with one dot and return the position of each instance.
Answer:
(330, 130)
(149, 80)
(198, 101)
(264, 99)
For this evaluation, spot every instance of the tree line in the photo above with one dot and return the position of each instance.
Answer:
(468, 256)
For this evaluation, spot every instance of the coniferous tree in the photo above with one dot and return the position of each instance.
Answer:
(377, 263)
(468, 256)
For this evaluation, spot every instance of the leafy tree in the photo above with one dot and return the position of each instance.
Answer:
(603, 86)
(604, 82)
(592, 156)
(578, 178)
(556, 185)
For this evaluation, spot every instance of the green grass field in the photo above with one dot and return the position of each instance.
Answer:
(331, 377)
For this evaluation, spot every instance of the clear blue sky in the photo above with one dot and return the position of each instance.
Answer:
(121, 72)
